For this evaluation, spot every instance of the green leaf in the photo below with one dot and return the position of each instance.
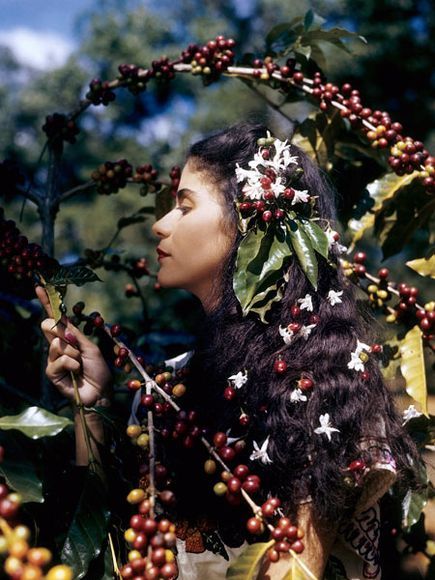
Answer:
(88, 529)
(415, 501)
(263, 301)
(246, 565)
(19, 472)
(55, 297)
(380, 191)
(317, 236)
(78, 275)
(281, 38)
(304, 50)
(164, 202)
(35, 423)
(423, 267)
(413, 367)
(304, 251)
(333, 36)
(260, 256)
(308, 19)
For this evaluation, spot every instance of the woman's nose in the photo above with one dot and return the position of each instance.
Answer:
(162, 227)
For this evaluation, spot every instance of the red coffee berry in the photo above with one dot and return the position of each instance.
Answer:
(255, 526)
(280, 366)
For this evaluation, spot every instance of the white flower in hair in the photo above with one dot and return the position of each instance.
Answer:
(334, 297)
(239, 379)
(331, 235)
(286, 333)
(282, 157)
(306, 303)
(355, 362)
(297, 395)
(306, 330)
(277, 187)
(300, 196)
(410, 413)
(260, 453)
(325, 427)
(253, 190)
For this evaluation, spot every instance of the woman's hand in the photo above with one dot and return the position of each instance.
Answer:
(71, 350)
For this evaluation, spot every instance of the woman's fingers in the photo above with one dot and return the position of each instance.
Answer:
(58, 347)
(58, 369)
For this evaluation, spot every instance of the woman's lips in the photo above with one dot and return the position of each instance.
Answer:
(161, 254)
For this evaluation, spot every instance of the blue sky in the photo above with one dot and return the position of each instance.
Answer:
(40, 32)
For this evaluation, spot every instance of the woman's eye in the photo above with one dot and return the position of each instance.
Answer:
(183, 208)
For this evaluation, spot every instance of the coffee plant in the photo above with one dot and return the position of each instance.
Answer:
(114, 515)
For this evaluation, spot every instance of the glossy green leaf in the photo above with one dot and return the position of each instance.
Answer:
(413, 367)
(88, 530)
(318, 237)
(304, 251)
(19, 471)
(55, 298)
(380, 191)
(263, 301)
(260, 257)
(415, 501)
(245, 567)
(423, 267)
(35, 423)
(333, 36)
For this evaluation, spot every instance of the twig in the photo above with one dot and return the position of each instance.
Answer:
(91, 457)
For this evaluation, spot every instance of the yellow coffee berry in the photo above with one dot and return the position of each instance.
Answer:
(60, 572)
(130, 535)
(143, 440)
(136, 495)
(210, 466)
(134, 430)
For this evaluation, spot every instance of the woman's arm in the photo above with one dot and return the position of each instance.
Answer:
(318, 541)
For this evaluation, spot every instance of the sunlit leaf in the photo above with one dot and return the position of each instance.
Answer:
(35, 423)
(379, 190)
(413, 368)
(304, 251)
(298, 572)
(77, 275)
(19, 471)
(245, 567)
(318, 238)
(423, 267)
(88, 529)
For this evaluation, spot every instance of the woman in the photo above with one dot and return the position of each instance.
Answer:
(283, 360)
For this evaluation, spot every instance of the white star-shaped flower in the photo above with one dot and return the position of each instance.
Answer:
(334, 297)
(306, 330)
(300, 196)
(297, 395)
(260, 453)
(287, 334)
(410, 413)
(360, 346)
(306, 303)
(355, 362)
(239, 379)
(253, 190)
(325, 427)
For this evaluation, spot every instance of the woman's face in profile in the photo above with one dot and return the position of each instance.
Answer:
(194, 243)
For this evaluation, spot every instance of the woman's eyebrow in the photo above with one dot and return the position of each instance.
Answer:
(183, 193)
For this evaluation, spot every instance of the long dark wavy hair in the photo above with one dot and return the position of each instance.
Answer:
(303, 463)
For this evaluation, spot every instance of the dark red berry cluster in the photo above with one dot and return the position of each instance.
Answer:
(112, 176)
(60, 127)
(406, 155)
(133, 78)
(100, 93)
(19, 258)
(162, 69)
(211, 59)
(147, 176)
(152, 542)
